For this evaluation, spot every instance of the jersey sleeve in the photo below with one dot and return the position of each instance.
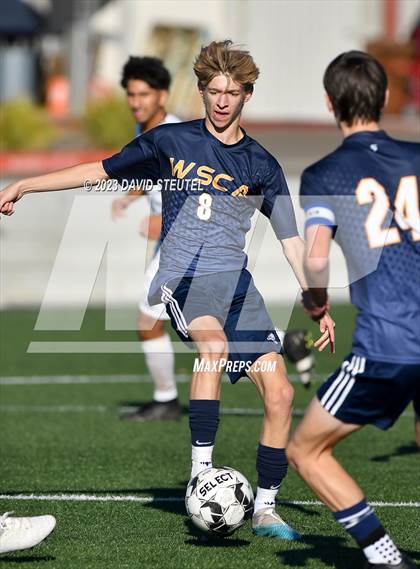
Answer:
(277, 204)
(316, 201)
(138, 160)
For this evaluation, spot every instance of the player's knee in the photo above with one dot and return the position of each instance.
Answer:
(294, 454)
(280, 397)
(149, 328)
(215, 348)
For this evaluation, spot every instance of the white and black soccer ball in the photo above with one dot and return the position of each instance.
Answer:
(219, 500)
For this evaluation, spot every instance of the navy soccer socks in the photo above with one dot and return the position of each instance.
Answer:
(362, 524)
(204, 420)
(272, 468)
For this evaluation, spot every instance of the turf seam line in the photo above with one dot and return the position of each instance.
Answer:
(151, 499)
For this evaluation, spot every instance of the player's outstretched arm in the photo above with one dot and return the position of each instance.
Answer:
(73, 177)
(294, 251)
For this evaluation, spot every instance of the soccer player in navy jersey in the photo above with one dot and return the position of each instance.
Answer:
(214, 177)
(366, 196)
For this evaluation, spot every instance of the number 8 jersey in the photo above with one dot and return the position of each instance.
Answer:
(210, 191)
(367, 191)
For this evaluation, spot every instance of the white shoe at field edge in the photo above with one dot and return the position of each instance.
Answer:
(23, 533)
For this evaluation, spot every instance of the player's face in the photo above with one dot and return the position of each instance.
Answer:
(144, 101)
(224, 100)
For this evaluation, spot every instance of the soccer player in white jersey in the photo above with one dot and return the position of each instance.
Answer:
(146, 82)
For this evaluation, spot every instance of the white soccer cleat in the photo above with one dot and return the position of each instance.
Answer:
(267, 523)
(23, 533)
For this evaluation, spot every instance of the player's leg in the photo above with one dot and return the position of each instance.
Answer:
(358, 393)
(159, 357)
(211, 344)
(23, 533)
(255, 348)
(268, 373)
(160, 362)
(310, 452)
(192, 310)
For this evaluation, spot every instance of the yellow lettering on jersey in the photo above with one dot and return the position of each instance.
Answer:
(221, 177)
(241, 191)
(178, 169)
(205, 175)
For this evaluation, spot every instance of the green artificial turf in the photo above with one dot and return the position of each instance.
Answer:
(67, 439)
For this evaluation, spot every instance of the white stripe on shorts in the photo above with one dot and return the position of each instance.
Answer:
(343, 396)
(335, 384)
(337, 398)
(337, 392)
(167, 297)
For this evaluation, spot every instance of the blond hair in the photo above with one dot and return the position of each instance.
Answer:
(224, 58)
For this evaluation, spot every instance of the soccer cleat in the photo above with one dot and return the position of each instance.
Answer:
(297, 346)
(23, 533)
(155, 411)
(267, 523)
(405, 563)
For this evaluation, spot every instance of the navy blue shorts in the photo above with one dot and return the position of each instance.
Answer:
(364, 391)
(233, 299)
(416, 402)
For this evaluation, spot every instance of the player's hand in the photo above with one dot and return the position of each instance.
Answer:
(119, 205)
(326, 327)
(8, 197)
(150, 227)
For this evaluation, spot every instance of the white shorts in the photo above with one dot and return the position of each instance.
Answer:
(158, 311)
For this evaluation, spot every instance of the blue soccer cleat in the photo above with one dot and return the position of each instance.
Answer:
(267, 523)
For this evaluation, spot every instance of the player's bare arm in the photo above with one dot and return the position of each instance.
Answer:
(294, 250)
(316, 268)
(297, 255)
(73, 177)
(316, 256)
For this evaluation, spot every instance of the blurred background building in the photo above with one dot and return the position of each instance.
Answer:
(61, 103)
(66, 52)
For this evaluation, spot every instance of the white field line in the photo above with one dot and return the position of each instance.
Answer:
(156, 499)
(235, 411)
(111, 409)
(76, 379)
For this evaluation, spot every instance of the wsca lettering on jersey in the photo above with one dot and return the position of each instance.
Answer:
(206, 176)
(219, 479)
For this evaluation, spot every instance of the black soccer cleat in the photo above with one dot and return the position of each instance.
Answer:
(297, 346)
(405, 563)
(155, 411)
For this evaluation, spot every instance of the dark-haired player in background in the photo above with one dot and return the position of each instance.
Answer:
(146, 82)
(366, 194)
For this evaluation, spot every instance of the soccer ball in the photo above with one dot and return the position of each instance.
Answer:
(219, 500)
